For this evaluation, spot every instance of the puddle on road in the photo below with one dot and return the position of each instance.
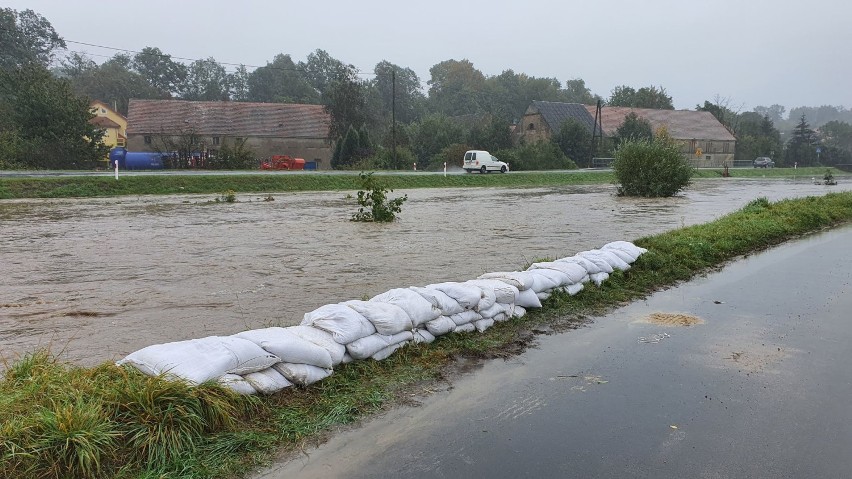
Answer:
(157, 269)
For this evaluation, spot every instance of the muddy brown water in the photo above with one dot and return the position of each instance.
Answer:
(96, 279)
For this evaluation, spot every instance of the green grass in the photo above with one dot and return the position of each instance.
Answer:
(60, 420)
(146, 184)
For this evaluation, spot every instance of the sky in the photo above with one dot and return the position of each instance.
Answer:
(745, 53)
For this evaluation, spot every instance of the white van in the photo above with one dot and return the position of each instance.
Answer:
(483, 162)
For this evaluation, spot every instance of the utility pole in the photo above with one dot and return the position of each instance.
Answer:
(393, 112)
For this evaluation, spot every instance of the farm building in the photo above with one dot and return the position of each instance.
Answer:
(266, 128)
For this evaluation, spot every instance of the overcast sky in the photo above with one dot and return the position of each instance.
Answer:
(752, 52)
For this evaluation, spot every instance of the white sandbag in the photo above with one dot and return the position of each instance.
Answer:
(487, 296)
(518, 279)
(365, 347)
(441, 325)
(575, 272)
(302, 374)
(268, 381)
(321, 338)
(465, 317)
(419, 309)
(518, 312)
(494, 310)
(237, 383)
(547, 279)
(499, 318)
(467, 295)
(465, 328)
(599, 278)
(503, 292)
(344, 323)
(289, 347)
(590, 267)
(347, 359)
(200, 360)
(626, 246)
(483, 324)
(599, 261)
(611, 258)
(384, 353)
(573, 289)
(425, 336)
(528, 299)
(623, 255)
(543, 295)
(388, 318)
(440, 300)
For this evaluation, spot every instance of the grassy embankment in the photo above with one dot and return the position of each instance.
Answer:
(148, 184)
(58, 420)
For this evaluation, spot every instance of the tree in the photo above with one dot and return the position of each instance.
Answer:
(645, 97)
(577, 92)
(206, 80)
(393, 80)
(345, 101)
(160, 71)
(281, 81)
(801, 147)
(542, 155)
(634, 128)
(349, 146)
(722, 110)
(75, 65)
(238, 82)
(44, 124)
(774, 112)
(651, 168)
(321, 70)
(837, 134)
(26, 38)
(431, 135)
(575, 140)
(113, 84)
(456, 88)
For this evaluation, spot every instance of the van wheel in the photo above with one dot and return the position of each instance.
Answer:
(483, 169)
(502, 169)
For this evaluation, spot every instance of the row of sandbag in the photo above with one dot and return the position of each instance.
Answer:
(270, 359)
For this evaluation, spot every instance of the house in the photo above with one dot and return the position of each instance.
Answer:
(268, 129)
(112, 123)
(704, 140)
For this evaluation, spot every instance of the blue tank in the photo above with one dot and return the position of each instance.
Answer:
(142, 160)
(117, 154)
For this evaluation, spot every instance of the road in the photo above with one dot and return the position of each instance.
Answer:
(760, 389)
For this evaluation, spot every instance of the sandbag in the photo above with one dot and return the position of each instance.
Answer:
(288, 347)
(384, 353)
(483, 324)
(424, 336)
(601, 262)
(575, 272)
(465, 318)
(268, 381)
(302, 374)
(547, 279)
(499, 318)
(626, 246)
(590, 267)
(518, 312)
(528, 299)
(614, 261)
(503, 292)
(440, 300)
(494, 310)
(418, 308)
(388, 318)
(573, 289)
(237, 383)
(467, 295)
(623, 255)
(365, 347)
(599, 278)
(518, 279)
(344, 323)
(441, 325)
(200, 360)
(543, 295)
(465, 328)
(321, 338)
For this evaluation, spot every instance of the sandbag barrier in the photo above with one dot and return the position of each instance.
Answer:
(263, 361)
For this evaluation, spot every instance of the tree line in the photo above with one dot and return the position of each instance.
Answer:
(405, 119)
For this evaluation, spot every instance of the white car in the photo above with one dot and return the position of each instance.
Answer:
(483, 162)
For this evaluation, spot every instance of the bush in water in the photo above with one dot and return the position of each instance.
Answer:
(374, 203)
(651, 168)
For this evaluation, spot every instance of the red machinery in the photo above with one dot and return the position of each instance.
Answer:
(283, 162)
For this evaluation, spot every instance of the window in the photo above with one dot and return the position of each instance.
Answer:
(531, 126)
(215, 140)
(708, 157)
(147, 140)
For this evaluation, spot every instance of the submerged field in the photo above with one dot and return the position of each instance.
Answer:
(61, 420)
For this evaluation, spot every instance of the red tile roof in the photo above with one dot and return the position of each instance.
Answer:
(681, 124)
(280, 120)
(104, 122)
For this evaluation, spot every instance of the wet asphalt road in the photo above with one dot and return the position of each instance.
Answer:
(762, 389)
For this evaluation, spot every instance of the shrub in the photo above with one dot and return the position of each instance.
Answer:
(651, 168)
(543, 155)
(374, 203)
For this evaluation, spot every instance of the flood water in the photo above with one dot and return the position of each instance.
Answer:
(96, 279)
